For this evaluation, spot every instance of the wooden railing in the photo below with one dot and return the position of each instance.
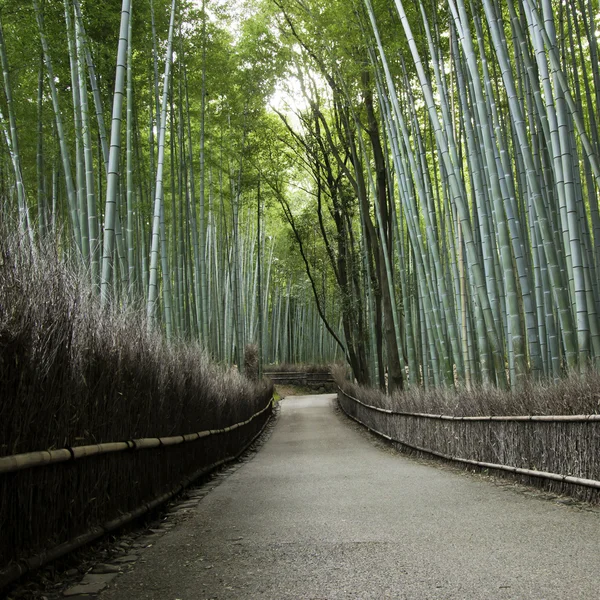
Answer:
(559, 448)
(83, 492)
(311, 380)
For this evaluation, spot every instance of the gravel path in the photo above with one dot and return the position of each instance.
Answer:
(323, 512)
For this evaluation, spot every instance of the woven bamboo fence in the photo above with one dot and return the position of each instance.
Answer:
(300, 378)
(55, 501)
(557, 452)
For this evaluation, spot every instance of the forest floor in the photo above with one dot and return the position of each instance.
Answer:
(324, 511)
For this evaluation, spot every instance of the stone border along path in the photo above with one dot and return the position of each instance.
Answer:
(322, 512)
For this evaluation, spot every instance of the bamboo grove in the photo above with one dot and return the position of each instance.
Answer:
(427, 208)
(464, 137)
(144, 167)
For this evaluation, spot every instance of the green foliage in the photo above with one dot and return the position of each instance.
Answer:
(432, 187)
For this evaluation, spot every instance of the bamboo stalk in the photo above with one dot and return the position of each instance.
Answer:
(111, 215)
(158, 224)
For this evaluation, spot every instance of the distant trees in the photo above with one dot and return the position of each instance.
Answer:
(144, 163)
(429, 209)
(463, 138)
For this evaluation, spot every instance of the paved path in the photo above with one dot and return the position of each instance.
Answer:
(323, 512)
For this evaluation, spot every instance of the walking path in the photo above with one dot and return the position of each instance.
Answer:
(322, 512)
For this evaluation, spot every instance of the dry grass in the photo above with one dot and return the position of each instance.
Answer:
(285, 391)
(573, 395)
(72, 374)
(251, 362)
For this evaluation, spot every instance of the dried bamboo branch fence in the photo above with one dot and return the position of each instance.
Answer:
(181, 459)
(561, 449)
(301, 378)
(18, 462)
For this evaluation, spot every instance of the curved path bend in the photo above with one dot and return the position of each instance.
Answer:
(322, 512)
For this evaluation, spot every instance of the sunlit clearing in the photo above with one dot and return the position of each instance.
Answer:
(288, 97)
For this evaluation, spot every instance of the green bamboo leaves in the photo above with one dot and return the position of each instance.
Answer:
(440, 179)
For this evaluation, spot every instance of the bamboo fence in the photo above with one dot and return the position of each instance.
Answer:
(44, 503)
(563, 449)
(311, 380)
(18, 462)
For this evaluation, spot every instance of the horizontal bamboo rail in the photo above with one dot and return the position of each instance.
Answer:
(591, 483)
(298, 373)
(547, 418)
(17, 569)
(28, 460)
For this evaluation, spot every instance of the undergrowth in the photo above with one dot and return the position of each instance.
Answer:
(572, 395)
(73, 374)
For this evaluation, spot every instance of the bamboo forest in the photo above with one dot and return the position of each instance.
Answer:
(409, 187)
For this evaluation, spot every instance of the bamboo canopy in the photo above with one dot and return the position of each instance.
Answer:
(427, 210)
